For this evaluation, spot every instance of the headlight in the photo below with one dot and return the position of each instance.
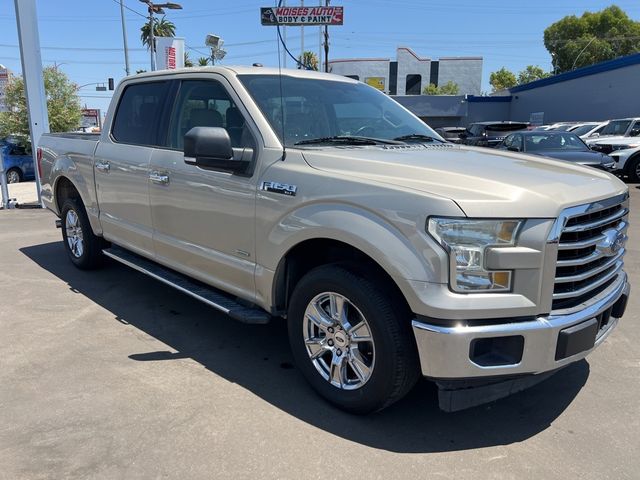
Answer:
(466, 241)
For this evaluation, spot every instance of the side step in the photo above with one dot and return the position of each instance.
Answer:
(198, 290)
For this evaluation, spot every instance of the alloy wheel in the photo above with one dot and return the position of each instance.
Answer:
(338, 341)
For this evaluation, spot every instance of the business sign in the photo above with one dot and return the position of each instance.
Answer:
(301, 16)
(91, 117)
(169, 53)
(375, 82)
(536, 119)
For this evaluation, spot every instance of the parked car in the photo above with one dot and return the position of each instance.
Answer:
(584, 130)
(628, 163)
(489, 134)
(618, 129)
(451, 134)
(557, 144)
(564, 127)
(18, 162)
(390, 253)
(611, 144)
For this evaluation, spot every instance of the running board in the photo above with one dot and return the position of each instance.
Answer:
(209, 295)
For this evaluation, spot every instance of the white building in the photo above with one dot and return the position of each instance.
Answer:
(409, 74)
(5, 76)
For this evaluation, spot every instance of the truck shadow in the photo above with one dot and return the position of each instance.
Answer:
(258, 359)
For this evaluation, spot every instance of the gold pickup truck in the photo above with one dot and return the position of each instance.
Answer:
(314, 199)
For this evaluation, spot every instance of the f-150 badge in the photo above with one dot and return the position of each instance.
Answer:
(282, 188)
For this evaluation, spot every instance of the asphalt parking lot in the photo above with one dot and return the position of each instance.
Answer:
(109, 374)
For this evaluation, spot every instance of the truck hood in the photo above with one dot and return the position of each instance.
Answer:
(483, 182)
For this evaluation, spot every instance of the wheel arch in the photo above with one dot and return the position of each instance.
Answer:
(311, 253)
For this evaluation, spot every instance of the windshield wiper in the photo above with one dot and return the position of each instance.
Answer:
(418, 136)
(346, 139)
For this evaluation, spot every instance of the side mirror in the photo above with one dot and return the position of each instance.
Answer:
(513, 149)
(594, 135)
(463, 135)
(210, 148)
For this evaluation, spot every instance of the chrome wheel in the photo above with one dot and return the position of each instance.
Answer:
(338, 341)
(13, 177)
(74, 234)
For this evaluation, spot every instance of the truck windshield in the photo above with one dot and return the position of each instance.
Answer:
(323, 109)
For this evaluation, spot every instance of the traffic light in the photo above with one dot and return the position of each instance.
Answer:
(110, 83)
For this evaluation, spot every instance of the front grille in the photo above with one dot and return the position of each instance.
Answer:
(588, 259)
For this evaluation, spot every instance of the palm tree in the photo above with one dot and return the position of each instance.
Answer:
(309, 60)
(161, 28)
(187, 60)
(203, 61)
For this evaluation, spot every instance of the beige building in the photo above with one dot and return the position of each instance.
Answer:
(5, 76)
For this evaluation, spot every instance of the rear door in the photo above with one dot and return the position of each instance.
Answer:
(122, 162)
(204, 219)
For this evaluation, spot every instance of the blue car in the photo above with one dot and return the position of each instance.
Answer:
(18, 163)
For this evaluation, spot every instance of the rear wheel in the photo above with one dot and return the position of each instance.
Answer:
(14, 176)
(352, 339)
(634, 170)
(83, 247)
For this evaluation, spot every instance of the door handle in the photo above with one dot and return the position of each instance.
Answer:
(103, 167)
(159, 178)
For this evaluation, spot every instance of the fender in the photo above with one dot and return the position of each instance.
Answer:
(363, 229)
(77, 169)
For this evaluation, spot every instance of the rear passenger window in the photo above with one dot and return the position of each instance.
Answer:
(138, 113)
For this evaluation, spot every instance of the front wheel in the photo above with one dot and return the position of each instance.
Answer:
(634, 170)
(352, 339)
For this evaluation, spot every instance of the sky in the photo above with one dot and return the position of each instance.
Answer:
(84, 38)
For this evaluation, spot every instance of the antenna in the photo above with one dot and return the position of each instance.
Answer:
(282, 112)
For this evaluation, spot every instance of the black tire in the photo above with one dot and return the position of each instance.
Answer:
(396, 367)
(14, 175)
(633, 170)
(90, 256)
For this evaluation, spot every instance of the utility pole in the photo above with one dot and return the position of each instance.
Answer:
(326, 44)
(320, 42)
(301, 39)
(124, 38)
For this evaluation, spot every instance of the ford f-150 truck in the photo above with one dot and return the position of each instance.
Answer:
(317, 199)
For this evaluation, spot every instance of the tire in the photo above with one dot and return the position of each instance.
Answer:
(82, 246)
(634, 170)
(375, 373)
(14, 175)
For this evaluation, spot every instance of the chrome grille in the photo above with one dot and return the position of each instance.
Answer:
(591, 240)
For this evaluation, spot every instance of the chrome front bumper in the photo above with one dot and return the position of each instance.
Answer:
(445, 351)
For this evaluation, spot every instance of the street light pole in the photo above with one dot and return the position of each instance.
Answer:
(124, 38)
(156, 8)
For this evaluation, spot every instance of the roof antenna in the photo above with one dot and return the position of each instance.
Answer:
(282, 113)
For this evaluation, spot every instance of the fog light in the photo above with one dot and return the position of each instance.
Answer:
(497, 351)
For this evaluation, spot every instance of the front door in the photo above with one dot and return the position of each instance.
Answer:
(122, 167)
(204, 220)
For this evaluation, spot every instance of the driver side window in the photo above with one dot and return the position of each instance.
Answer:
(206, 103)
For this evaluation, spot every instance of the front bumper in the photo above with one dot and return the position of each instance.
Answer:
(447, 352)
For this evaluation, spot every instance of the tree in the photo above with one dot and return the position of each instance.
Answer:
(449, 88)
(531, 73)
(575, 42)
(187, 61)
(502, 79)
(63, 104)
(309, 60)
(203, 61)
(161, 28)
